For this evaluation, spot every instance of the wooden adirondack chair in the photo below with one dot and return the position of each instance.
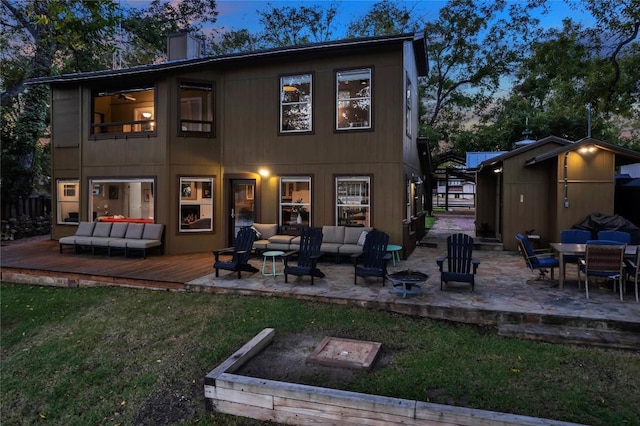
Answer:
(308, 255)
(461, 266)
(374, 257)
(241, 252)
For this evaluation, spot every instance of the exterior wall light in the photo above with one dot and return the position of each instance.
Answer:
(264, 173)
(587, 149)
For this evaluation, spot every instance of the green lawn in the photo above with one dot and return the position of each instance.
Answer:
(122, 356)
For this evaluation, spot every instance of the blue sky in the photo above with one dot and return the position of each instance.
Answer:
(238, 14)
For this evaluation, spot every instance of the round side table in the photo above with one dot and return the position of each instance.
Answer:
(395, 253)
(273, 255)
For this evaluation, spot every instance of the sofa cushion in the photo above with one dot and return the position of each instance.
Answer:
(333, 234)
(118, 229)
(102, 229)
(152, 231)
(281, 239)
(330, 247)
(362, 238)
(352, 234)
(85, 229)
(134, 230)
(266, 230)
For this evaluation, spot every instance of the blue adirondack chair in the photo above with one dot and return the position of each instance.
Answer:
(308, 255)
(461, 266)
(240, 254)
(374, 257)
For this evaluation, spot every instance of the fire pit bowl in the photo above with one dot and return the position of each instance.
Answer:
(407, 282)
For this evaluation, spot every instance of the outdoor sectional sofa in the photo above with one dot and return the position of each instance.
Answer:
(337, 240)
(123, 236)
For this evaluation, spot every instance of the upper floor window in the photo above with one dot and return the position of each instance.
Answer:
(408, 105)
(128, 112)
(295, 201)
(196, 109)
(353, 205)
(68, 196)
(295, 103)
(353, 95)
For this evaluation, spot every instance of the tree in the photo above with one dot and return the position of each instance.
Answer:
(47, 37)
(385, 17)
(472, 47)
(287, 26)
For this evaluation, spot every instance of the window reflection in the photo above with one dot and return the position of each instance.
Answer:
(354, 99)
(295, 103)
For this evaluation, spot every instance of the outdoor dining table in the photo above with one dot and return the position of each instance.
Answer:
(573, 249)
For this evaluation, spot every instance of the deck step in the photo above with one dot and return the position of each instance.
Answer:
(575, 335)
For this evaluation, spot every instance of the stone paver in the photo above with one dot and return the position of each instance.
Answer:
(506, 291)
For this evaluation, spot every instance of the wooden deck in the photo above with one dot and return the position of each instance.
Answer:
(164, 271)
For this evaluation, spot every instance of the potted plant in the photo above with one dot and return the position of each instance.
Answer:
(299, 208)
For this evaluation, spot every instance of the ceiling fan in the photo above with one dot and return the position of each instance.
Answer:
(124, 96)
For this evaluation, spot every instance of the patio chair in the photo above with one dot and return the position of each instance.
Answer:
(619, 236)
(461, 266)
(308, 255)
(241, 252)
(374, 257)
(573, 236)
(604, 261)
(633, 270)
(536, 261)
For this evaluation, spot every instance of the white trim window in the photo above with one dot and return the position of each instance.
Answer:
(196, 204)
(296, 94)
(68, 201)
(353, 201)
(295, 201)
(353, 99)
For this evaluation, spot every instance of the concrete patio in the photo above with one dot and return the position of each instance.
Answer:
(506, 295)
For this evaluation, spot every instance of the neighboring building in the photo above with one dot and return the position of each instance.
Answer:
(206, 145)
(547, 186)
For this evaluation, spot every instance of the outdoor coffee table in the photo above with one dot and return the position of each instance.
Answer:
(408, 283)
(273, 255)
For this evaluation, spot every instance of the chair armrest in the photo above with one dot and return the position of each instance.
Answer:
(285, 257)
(475, 263)
(440, 260)
(217, 253)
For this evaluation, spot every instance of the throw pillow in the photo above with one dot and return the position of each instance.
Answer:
(363, 238)
(258, 234)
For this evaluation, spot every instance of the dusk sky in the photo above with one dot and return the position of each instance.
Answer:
(238, 14)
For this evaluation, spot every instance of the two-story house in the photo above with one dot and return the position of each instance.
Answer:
(320, 134)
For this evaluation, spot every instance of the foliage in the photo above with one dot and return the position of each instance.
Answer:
(472, 46)
(289, 26)
(384, 18)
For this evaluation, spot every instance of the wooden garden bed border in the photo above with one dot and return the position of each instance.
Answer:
(292, 403)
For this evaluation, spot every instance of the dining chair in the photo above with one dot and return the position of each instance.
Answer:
(603, 261)
(573, 236)
(536, 261)
(633, 271)
(619, 236)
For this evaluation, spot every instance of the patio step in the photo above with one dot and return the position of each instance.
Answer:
(576, 335)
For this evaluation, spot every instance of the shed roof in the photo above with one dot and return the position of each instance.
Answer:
(623, 155)
(307, 50)
(495, 161)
